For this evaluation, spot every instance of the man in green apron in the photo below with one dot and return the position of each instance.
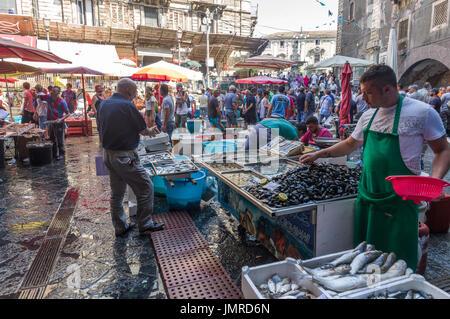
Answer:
(393, 133)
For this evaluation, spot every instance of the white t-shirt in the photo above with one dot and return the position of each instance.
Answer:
(418, 122)
(203, 100)
(148, 104)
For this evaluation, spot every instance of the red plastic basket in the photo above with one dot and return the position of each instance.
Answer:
(417, 188)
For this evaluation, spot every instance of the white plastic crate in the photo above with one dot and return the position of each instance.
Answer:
(415, 282)
(253, 277)
(322, 260)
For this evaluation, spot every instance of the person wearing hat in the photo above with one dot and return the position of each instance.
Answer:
(393, 132)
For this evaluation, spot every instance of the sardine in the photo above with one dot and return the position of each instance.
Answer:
(361, 247)
(390, 260)
(370, 247)
(343, 283)
(398, 269)
(283, 289)
(344, 259)
(340, 270)
(377, 263)
(363, 259)
(271, 285)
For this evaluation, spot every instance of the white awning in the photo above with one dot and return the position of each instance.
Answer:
(158, 52)
(103, 58)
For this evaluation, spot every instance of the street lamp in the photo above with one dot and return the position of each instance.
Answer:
(179, 36)
(46, 22)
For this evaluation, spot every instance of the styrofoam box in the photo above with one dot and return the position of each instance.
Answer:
(253, 277)
(322, 260)
(415, 282)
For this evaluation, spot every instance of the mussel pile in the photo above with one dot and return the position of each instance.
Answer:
(307, 183)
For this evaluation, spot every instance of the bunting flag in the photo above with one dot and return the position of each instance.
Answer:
(321, 3)
(330, 13)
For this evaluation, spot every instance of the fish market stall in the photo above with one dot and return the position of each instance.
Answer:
(21, 134)
(293, 210)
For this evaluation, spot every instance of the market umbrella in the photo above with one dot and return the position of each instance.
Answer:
(339, 61)
(159, 73)
(74, 69)
(188, 73)
(13, 49)
(392, 51)
(8, 80)
(261, 80)
(344, 113)
(12, 69)
(265, 62)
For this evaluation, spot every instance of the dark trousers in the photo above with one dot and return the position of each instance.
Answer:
(56, 133)
(125, 169)
(27, 117)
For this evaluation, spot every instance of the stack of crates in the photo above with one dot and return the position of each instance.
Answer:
(77, 126)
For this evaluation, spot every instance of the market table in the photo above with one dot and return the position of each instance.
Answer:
(301, 231)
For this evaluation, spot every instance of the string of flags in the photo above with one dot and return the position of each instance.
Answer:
(330, 14)
(340, 19)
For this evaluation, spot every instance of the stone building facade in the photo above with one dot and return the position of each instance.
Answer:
(307, 47)
(423, 36)
(232, 16)
(235, 18)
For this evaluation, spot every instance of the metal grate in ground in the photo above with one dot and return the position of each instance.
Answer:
(177, 241)
(45, 260)
(211, 288)
(189, 268)
(177, 219)
(34, 293)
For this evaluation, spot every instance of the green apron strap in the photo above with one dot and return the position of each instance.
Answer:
(397, 114)
(371, 120)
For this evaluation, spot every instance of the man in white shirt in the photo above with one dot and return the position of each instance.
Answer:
(203, 100)
(314, 79)
(393, 132)
(181, 108)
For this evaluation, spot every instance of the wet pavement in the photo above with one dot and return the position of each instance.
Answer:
(93, 263)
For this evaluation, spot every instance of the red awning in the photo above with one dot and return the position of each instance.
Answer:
(23, 39)
(13, 49)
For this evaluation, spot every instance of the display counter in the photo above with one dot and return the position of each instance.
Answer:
(300, 231)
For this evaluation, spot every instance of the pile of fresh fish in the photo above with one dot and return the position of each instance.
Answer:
(408, 294)
(153, 158)
(283, 288)
(171, 167)
(358, 268)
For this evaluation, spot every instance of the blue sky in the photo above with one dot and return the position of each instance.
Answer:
(290, 15)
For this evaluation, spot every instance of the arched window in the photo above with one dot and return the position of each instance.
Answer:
(352, 11)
